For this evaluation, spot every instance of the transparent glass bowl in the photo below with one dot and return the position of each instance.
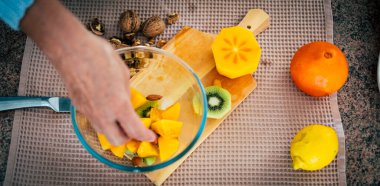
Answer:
(164, 74)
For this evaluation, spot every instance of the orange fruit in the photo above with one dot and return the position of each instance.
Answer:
(319, 68)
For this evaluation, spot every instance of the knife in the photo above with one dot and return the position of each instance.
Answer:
(58, 104)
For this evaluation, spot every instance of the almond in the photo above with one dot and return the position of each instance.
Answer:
(153, 97)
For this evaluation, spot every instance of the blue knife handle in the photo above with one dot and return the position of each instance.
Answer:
(11, 103)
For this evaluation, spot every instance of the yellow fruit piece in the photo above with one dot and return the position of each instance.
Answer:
(147, 149)
(137, 98)
(314, 147)
(171, 113)
(155, 114)
(236, 52)
(167, 128)
(167, 147)
(146, 122)
(104, 143)
(119, 150)
(133, 145)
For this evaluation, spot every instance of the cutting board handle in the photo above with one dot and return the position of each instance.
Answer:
(256, 20)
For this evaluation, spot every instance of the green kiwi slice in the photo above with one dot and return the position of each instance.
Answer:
(149, 160)
(218, 102)
(144, 110)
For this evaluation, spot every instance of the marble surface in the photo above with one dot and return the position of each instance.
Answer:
(356, 32)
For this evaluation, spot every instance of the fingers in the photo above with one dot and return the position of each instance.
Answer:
(133, 126)
(114, 133)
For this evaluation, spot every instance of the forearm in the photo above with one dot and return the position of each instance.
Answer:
(55, 30)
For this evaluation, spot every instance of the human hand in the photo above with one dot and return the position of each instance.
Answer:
(95, 76)
(98, 84)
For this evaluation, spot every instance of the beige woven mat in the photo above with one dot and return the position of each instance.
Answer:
(250, 148)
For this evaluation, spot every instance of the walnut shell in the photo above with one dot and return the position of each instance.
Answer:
(129, 22)
(153, 26)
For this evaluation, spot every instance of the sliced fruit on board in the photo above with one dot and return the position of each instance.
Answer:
(218, 102)
(104, 143)
(236, 52)
(147, 149)
(167, 128)
(167, 147)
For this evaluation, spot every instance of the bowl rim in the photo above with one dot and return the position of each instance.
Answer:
(173, 159)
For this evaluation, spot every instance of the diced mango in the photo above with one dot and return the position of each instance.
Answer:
(147, 149)
(119, 150)
(104, 143)
(133, 145)
(137, 98)
(146, 122)
(155, 114)
(171, 113)
(167, 128)
(167, 147)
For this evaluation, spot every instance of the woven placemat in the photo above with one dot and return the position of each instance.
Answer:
(250, 148)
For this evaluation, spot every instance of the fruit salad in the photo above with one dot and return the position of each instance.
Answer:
(163, 122)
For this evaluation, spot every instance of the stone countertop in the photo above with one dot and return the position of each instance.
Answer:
(356, 32)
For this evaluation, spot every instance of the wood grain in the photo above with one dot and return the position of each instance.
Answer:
(194, 47)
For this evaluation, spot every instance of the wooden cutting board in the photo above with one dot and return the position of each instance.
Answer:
(194, 47)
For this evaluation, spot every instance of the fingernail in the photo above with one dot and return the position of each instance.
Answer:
(151, 136)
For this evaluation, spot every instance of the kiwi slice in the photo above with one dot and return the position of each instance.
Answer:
(149, 160)
(144, 110)
(218, 102)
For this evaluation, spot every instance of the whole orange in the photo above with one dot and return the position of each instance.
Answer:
(319, 68)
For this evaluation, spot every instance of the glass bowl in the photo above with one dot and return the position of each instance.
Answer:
(162, 73)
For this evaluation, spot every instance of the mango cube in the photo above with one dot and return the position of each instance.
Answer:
(104, 143)
(167, 147)
(167, 128)
(171, 113)
(133, 145)
(119, 150)
(147, 149)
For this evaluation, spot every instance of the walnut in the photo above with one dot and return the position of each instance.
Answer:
(153, 26)
(129, 22)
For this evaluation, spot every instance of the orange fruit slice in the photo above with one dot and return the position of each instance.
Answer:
(319, 68)
(236, 52)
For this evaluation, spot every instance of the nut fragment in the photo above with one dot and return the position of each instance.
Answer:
(153, 97)
(129, 22)
(153, 26)
(129, 38)
(161, 43)
(151, 41)
(136, 42)
(137, 161)
(96, 27)
(173, 18)
(117, 43)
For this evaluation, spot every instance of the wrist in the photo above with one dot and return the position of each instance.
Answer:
(54, 29)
